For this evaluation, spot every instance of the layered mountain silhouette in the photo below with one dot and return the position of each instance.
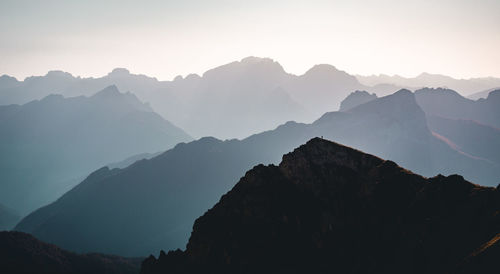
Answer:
(329, 208)
(449, 104)
(355, 99)
(151, 204)
(48, 146)
(482, 94)
(465, 86)
(234, 100)
(21, 253)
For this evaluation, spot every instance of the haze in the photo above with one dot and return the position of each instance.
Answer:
(167, 38)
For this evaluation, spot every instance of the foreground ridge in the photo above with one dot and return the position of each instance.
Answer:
(330, 208)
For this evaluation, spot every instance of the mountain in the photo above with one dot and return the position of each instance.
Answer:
(448, 103)
(329, 208)
(465, 87)
(8, 218)
(21, 253)
(322, 88)
(356, 98)
(469, 137)
(151, 204)
(47, 146)
(234, 100)
(482, 94)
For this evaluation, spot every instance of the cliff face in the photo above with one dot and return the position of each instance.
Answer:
(330, 208)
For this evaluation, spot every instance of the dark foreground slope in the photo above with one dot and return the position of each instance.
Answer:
(329, 208)
(22, 253)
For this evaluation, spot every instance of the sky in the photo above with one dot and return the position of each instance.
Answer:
(163, 39)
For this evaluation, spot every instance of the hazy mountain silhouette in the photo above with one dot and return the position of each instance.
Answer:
(21, 253)
(152, 203)
(48, 146)
(482, 94)
(468, 136)
(355, 99)
(449, 104)
(234, 100)
(322, 88)
(329, 208)
(8, 218)
(466, 87)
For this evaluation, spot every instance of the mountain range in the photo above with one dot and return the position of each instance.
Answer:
(151, 204)
(475, 87)
(327, 208)
(234, 100)
(48, 146)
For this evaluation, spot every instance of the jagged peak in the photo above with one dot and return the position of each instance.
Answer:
(109, 91)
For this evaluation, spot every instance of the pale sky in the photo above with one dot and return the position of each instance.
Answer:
(460, 38)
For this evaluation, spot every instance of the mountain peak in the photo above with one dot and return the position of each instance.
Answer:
(356, 98)
(322, 68)
(119, 72)
(109, 91)
(322, 152)
(254, 59)
(328, 206)
(59, 73)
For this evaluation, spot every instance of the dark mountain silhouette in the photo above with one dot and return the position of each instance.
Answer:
(21, 253)
(151, 204)
(48, 146)
(329, 208)
(449, 104)
(355, 99)
(8, 218)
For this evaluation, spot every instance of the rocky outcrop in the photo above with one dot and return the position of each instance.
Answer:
(329, 208)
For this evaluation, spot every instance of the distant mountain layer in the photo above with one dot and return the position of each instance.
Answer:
(466, 87)
(237, 99)
(355, 99)
(328, 208)
(21, 253)
(151, 204)
(448, 103)
(47, 146)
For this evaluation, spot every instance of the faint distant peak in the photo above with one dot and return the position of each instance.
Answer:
(326, 70)
(319, 68)
(110, 91)
(355, 99)
(59, 73)
(438, 91)
(403, 92)
(254, 60)
(119, 72)
(426, 75)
